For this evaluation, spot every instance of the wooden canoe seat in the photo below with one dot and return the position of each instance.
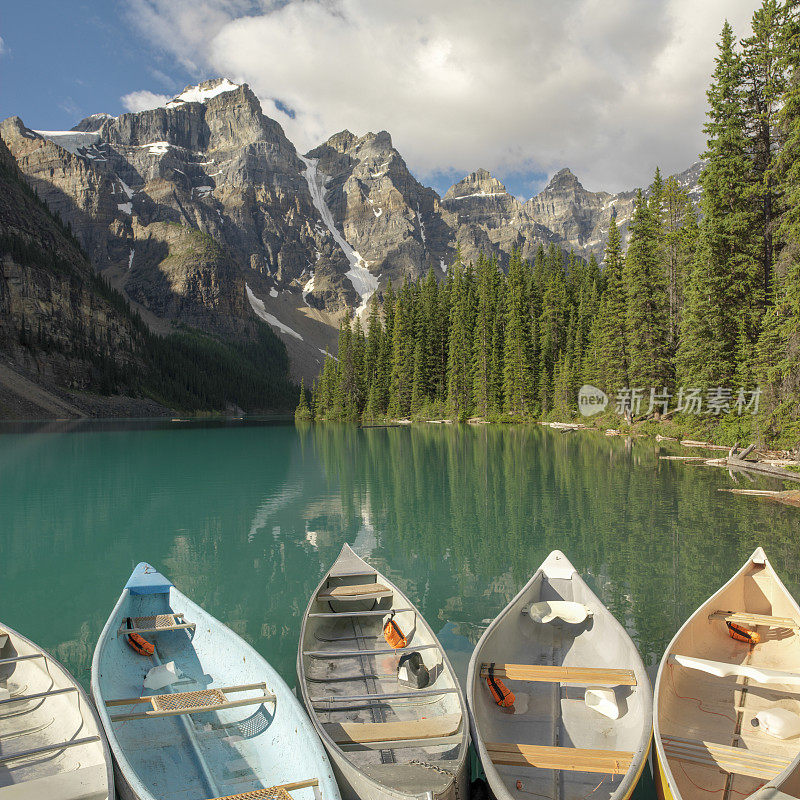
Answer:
(743, 618)
(734, 760)
(610, 762)
(174, 703)
(583, 676)
(368, 732)
(355, 591)
(159, 623)
(722, 669)
(273, 792)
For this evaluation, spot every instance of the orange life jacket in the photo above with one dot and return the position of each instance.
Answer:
(392, 633)
(140, 644)
(742, 634)
(501, 694)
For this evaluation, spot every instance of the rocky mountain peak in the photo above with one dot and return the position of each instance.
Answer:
(206, 90)
(477, 184)
(563, 179)
(92, 123)
(341, 142)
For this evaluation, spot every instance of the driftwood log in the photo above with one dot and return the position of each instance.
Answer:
(789, 498)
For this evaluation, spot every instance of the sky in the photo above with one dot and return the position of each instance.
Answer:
(519, 87)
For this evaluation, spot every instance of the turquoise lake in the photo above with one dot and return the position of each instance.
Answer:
(245, 518)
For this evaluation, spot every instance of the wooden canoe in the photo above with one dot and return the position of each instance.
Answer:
(563, 655)
(52, 745)
(710, 687)
(228, 726)
(385, 740)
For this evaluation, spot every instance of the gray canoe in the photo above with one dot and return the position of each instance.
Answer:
(582, 717)
(385, 740)
(52, 746)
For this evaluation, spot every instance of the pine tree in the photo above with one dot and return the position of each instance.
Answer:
(680, 242)
(302, 412)
(519, 387)
(779, 346)
(402, 378)
(482, 344)
(724, 289)
(764, 83)
(459, 361)
(646, 332)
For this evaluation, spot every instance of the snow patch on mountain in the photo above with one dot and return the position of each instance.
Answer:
(71, 141)
(262, 313)
(200, 93)
(364, 282)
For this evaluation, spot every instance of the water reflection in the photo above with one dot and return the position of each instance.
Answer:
(245, 520)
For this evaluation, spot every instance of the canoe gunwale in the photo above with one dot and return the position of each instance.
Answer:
(90, 708)
(640, 754)
(376, 789)
(708, 609)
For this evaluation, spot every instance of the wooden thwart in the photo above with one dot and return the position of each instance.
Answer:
(168, 705)
(743, 618)
(366, 732)
(734, 760)
(272, 792)
(355, 591)
(588, 676)
(158, 623)
(610, 762)
(348, 614)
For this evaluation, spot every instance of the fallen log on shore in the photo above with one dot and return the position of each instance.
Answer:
(706, 445)
(789, 498)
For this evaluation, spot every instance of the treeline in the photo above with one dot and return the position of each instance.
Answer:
(697, 300)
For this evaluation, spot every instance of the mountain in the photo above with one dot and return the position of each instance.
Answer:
(70, 345)
(202, 213)
(579, 219)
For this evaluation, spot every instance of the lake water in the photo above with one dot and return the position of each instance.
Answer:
(246, 518)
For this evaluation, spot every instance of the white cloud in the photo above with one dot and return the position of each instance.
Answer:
(143, 100)
(3, 48)
(610, 89)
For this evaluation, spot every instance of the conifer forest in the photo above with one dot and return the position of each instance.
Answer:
(704, 299)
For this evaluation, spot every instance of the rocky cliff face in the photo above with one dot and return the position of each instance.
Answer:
(484, 217)
(58, 325)
(579, 219)
(181, 207)
(202, 212)
(390, 219)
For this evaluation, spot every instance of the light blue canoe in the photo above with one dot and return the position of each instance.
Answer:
(226, 726)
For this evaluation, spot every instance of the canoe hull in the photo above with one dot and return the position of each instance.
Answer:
(426, 770)
(660, 778)
(552, 715)
(353, 785)
(710, 687)
(62, 713)
(258, 738)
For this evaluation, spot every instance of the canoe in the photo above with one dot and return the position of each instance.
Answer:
(216, 720)
(384, 739)
(51, 742)
(711, 688)
(581, 718)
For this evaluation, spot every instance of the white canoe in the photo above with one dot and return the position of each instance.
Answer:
(385, 740)
(227, 726)
(710, 689)
(582, 719)
(52, 746)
